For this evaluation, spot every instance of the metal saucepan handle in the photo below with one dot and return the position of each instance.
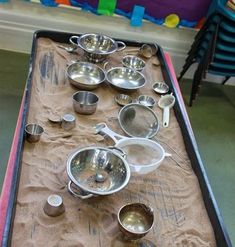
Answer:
(77, 39)
(103, 128)
(75, 194)
(122, 153)
(122, 45)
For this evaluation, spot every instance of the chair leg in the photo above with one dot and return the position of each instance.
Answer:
(226, 79)
(185, 68)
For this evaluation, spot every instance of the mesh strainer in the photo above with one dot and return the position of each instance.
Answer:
(143, 155)
(137, 120)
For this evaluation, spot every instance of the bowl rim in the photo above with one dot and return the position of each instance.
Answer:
(125, 68)
(85, 189)
(34, 124)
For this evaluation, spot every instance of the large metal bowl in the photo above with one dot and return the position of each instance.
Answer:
(97, 47)
(125, 79)
(97, 171)
(85, 75)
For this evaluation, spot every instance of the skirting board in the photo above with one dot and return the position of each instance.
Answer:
(19, 20)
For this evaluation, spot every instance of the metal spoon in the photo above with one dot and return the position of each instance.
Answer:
(69, 49)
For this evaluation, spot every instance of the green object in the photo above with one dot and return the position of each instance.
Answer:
(106, 7)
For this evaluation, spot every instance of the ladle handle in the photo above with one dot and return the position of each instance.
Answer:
(122, 45)
(74, 37)
(114, 136)
(75, 194)
(166, 117)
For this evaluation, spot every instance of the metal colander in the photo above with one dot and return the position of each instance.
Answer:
(138, 121)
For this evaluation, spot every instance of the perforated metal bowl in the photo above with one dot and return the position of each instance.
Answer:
(84, 165)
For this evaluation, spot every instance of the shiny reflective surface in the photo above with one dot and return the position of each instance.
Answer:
(146, 100)
(86, 164)
(123, 99)
(85, 75)
(33, 132)
(133, 62)
(125, 78)
(135, 220)
(54, 206)
(161, 88)
(85, 102)
(137, 120)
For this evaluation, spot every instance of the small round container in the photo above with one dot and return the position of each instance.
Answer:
(160, 88)
(33, 132)
(133, 62)
(123, 99)
(68, 122)
(54, 206)
(85, 102)
(135, 220)
(146, 101)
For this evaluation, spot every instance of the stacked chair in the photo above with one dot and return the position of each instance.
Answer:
(213, 48)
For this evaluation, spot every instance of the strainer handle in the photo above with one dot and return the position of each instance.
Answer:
(72, 38)
(166, 117)
(122, 153)
(75, 194)
(113, 135)
(122, 45)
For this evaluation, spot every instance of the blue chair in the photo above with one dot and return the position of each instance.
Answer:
(213, 48)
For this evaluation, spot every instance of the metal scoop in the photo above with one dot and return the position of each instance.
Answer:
(166, 102)
(146, 50)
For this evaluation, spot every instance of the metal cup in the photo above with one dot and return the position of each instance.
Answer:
(85, 102)
(54, 206)
(68, 122)
(33, 132)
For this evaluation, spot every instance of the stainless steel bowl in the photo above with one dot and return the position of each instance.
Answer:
(85, 102)
(97, 47)
(146, 101)
(135, 220)
(85, 75)
(160, 88)
(123, 99)
(125, 79)
(87, 165)
(133, 62)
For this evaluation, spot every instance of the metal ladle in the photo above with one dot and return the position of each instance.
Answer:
(69, 49)
(166, 102)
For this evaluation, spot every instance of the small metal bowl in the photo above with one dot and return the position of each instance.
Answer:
(146, 100)
(85, 102)
(160, 88)
(133, 62)
(85, 75)
(33, 132)
(125, 79)
(135, 220)
(68, 122)
(54, 206)
(123, 99)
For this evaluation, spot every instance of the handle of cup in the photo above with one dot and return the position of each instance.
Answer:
(72, 38)
(121, 45)
(166, 117)
(75, 194)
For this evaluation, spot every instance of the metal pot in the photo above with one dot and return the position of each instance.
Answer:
(97, 171)
(97, 47)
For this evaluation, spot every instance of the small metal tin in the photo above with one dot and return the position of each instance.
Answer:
(146, 100)
(33, 132)
(54, 206)
(160, 88)
(68, 122)
(123, 99)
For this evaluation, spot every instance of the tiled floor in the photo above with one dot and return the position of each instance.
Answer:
(212, 118)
